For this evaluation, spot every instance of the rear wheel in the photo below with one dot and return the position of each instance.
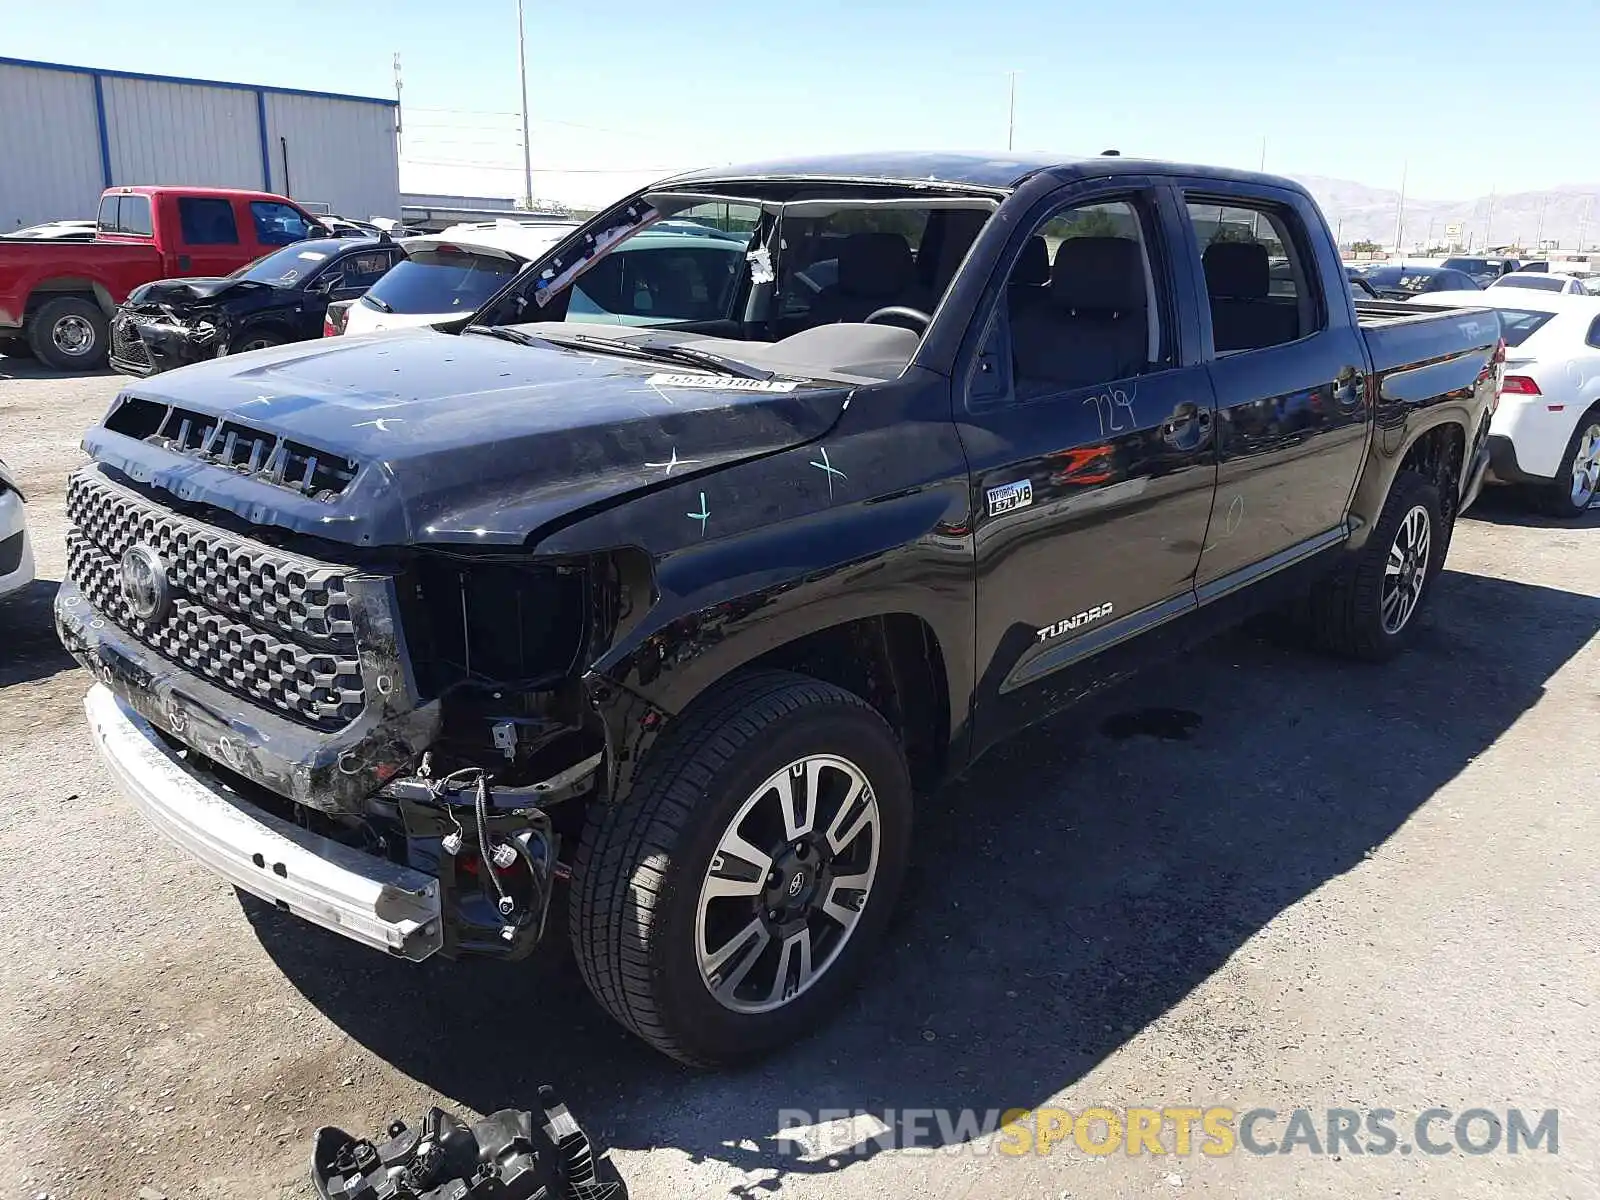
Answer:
(726, 905)
(1577, 483)
(1368, 610)
(69, 334)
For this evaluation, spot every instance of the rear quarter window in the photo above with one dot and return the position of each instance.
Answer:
(207, 221)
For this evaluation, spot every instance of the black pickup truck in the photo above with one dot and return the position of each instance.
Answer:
(404, 631)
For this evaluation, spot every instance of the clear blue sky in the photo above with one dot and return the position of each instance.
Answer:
(1344, 89)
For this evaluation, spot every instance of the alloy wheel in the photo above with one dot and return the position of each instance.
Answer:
(787, 884)
(1406, 571)
(1586, 467)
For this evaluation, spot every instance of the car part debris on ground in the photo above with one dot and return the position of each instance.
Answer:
(504, 1156)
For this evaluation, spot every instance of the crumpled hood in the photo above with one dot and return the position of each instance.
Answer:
(458, 438)
(186, 291)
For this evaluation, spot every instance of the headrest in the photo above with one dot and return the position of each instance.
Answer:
(1033, 264)
(1099, 273)
(1237, 270)
(875, 264)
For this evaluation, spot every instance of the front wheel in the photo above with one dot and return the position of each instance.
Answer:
(253, 341)
(1368, 610)
(726, 905)
(1578, 481)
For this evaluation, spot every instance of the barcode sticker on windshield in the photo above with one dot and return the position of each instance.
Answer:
(723, 383)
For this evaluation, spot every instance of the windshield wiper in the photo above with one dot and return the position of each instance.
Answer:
(380, 305)
(678, 354)
(504, 334)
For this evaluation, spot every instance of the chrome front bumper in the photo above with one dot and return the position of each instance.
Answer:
(365, 898)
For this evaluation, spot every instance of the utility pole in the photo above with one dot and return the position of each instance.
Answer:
(1583, 221)
(527, 145)
(1011, 111)
(1488, 224)
(1538, 236)
(1400, 212)
(399, 120)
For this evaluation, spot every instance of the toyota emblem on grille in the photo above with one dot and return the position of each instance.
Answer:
(143, 579)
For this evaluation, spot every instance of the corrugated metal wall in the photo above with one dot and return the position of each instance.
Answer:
(340, 154)
(182, 134)
(56, 156)
(49, 147)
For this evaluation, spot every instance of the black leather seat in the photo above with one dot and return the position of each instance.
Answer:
(876, 270)
(1243, 314)
(1093, 328)
(1030, 278)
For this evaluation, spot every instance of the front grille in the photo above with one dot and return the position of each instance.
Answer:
(126, 344)
(264, 623)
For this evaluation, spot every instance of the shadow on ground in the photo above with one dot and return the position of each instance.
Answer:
(1067, 892)
(1510, 506)
(15, 367)
(29, 648)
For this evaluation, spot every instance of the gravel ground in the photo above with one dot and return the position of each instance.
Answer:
(1346, 887)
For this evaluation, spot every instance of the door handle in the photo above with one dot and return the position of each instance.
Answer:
(1188, 427)
(1350, 389)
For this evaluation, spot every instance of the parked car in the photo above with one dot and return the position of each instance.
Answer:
(1540, 281)
(446, 276)
(1404, 282)
(57, 297)
(16, 555)
(1484, 271)
(688, 613)
(280, 298)
(1546, 433)
(55, 231)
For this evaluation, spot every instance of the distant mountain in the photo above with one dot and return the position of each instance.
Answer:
(1361, 213)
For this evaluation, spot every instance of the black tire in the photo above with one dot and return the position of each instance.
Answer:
(640, 864)
(1346, 612)
(60, 325)
(1556, 499)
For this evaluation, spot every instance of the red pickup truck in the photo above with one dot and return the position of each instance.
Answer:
(57, 298)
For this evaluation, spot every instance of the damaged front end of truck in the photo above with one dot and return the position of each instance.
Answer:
(338, 665)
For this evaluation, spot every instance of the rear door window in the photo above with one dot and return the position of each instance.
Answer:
(207, 221)
(1260, 280)
(444, 280)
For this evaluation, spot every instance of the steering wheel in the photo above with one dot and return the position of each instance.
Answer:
(901, 311)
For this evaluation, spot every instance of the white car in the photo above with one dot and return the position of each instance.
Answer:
(678, 271)
(447, 274)
(1542, 281)
(16, 555)
(1545, 435)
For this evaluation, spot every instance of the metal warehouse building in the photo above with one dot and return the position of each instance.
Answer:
(67, 132)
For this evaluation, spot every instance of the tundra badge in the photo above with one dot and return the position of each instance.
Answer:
(1010, 496)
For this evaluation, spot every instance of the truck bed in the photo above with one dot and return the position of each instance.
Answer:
(1404, 335)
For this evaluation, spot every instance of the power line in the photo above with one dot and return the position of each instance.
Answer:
(482, 166)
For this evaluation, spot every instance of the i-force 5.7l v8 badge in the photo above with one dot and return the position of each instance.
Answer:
(1010, 496)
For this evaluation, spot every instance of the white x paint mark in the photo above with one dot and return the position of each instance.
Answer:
(828, 469)
(675, 461)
